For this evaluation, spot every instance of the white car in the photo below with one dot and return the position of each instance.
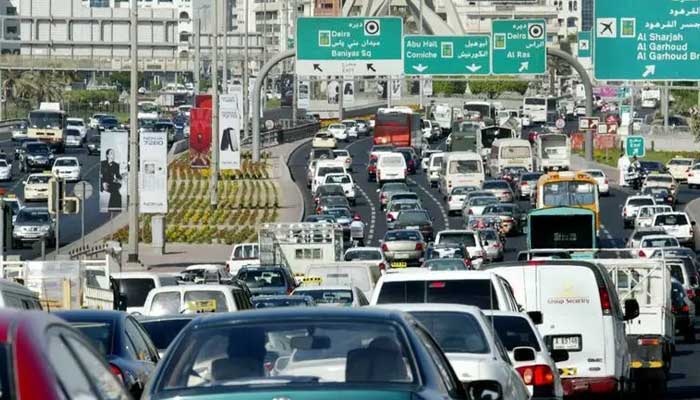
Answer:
(661, 180)
(635, 239)
(351, 127)
(36, 187)
(601, 179)
(471, 240)
(391, 167)
(5, 170)
(333, 295)
(694, 177)
(434, 167)
(678, 225)
(367, 255)
(79, 124)
(342, 154)
(323, 168)
(72, 138)
(344, 180)
(67, 168)
(339, 131)
(650, 242)
(492, 244)
(632, 204)
(645, 215)
(324, 139)
(425, 158)
(679, 167)
(476, 205)
(466, 337)
(538, 369)
(455, 200)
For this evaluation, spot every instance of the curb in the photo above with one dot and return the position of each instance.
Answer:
(692, 208)
(300, 195)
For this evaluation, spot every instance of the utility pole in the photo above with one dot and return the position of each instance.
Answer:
(197, 52)
(133, 245)
(340, 99)
(224, 84)
(214, 163)
(664, 106)
(420, 78)
(245, 89)
(295, 100)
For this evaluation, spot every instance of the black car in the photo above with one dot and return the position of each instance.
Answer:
(131, 354)
(108, 123)
(648, 167)
(681, 311)
(661, 195)
(412, 161)
(267, 280)
(93, 144)
(35, 156)
(168, 127)
(418, 220)
(163, 330)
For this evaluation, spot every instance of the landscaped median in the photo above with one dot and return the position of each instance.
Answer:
(651, 155)
(246, 198)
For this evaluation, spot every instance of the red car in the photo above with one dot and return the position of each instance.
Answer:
(42, 357)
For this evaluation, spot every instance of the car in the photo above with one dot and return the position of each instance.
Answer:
(326, 189)
(108, 123)
(476, 205)
(267, 280)
(650, 242)
(367, 255)
(168, 127)
(204, 273)
(391, 187)
(683, 311)
(93, 144)
(332, 295)
(446, 264)
(324, 139)
(448, 250)
(650, 167)
(645, 215)
(362, 127)
(19, 131)
(434, 168)
(419, 220)
(660, 194)
(470, 239)
(527, 185)
(5, 170)
(694, 176)
(455, 200)
(480, 193)
(475, 353)
(328, 202)
(512, 217)
(95, 120)
(492, 244)
(325, 167)
(631, 207)
(678, 225)
(243, 254)
(412, 160)
(32, 224)
(339, 131)
(275, 301)
(77, 124)
(351, 127)
(403, 247)
(353, 227)
(661, 180)
(395, 207)
(123, 342)
(346, 182)
(43, 357)
(66, 168)
(345, 156)
(683, 271)
(164, 329)
(425, 158)
(196, 299)
(35, 156)
(601, 179)
(500, 188)
(391, 167)
(635, 238)
(135, 285)
(679, 168)
(312, 352)
(36, 187)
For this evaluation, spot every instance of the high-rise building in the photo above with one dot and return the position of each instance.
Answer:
(586, 15)
(327, 8)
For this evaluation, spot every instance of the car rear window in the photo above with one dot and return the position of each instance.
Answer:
(363, 255)
(402, 235)
(391, 161)
(163, 332)
(496, 185)
(454, 332)
(640, 202)
(660, 242)
(677, 272)
(595, 174)
(216, 299)
(136, 290)
(262, 278)
(467, 239)
(514, 332)
(99, 333)
(671, 219)
(680, 162)
(473, 292)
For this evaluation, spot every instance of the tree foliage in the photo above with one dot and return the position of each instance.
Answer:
(494, 87)
(449, 87)
(694, 122)
(36, 86)
(91, 96)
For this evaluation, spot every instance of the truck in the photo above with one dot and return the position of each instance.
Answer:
(399, 126)
(552, 152)
(651, 336)
(48, 124)
(298, 245)
(443, 114)
(465, 136)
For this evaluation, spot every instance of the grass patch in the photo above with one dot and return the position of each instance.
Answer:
(662, 156)
(273, 103)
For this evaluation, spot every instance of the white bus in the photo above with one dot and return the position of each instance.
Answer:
(509, 153)
(460, 168)
(537, 108)
(443, 116)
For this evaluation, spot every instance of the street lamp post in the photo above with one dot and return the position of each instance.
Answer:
(133, 244)
(214, 163)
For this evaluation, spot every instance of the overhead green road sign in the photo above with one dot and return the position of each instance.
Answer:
(584, 44)
(635, 146)
(519, 47)
(447, 55)
(349, 46)
(647, 40)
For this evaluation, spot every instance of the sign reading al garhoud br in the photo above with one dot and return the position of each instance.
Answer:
(230, 131)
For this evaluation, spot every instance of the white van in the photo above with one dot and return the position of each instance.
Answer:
(509, 153)
(14, 295)
(325, 167)
(243, 254)
(391, 167)
(135, 286)
(364, 276)
(195, 299)
(580, 313)
(434, 168)
(460, 168)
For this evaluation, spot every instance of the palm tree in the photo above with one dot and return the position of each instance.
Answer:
(35, 86)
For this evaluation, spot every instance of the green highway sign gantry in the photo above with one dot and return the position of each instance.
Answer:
(349, 46)
(647, 40)
(584, 44)
(447, 55)
(635, 146)
(519, 47)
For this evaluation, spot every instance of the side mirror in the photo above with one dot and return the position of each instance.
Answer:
(631, 309)
(536, 317)
(559, 355)
(524, 354)
(692, 223)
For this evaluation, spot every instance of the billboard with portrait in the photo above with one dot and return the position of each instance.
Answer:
(114, 158)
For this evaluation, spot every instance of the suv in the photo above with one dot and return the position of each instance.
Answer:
(632, 205)
(678, 225)
(32, 224)
(34, 156)
(267, 280)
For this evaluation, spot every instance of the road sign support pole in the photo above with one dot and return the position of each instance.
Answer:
(389, 88)
(57, 207)
(664, 106)
(214, 163)
(588, 88)
(197, 53)
(2, 229)
(133, 244)
(340, 100)
(262, 75)
(224, 85)
(420, 78)
(82, 217)
(246, 89)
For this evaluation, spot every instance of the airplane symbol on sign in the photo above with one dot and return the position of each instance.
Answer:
(584, 44)
(606, 27)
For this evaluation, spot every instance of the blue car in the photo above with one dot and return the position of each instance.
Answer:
(267, 280)
(306, 353)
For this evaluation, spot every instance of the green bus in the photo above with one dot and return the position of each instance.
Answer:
(561, 228)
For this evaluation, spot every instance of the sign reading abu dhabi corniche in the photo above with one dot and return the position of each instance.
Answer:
(349, 46)
(519, 47)
(647, 40)
(447, 55)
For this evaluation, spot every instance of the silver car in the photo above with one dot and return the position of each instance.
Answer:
(403, 248)
(492, 244)
(32, 224)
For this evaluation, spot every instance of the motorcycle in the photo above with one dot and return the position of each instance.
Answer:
(634, 177)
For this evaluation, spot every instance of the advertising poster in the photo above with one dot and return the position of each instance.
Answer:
(230, 112)
(114, 157)
(382, 90)
(304, 97)
(200, 137)
(333, 92)
(427, 86)
(153, 173)
(348, 93)
(396, 89)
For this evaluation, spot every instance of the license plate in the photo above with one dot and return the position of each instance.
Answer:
(400, 264)
(568, 372)
(572, 343)
(412, 227)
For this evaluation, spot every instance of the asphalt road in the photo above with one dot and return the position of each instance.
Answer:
(685, 381)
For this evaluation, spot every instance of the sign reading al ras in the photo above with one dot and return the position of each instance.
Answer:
(519, 46)
(447, 55)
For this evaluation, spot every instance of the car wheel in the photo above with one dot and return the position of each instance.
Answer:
(16, 244)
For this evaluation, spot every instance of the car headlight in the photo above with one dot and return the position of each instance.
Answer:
(44, 228)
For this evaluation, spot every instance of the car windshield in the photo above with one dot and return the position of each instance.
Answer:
(330, 189)
(463, 190)
(530, 177)
(33, 216)
(680, 162)
(65, 162)
(394, 187)
(304, 352)
(338, 179)
(515, 152)
(496, 185)
(46, 119)
(99, 333)
(38, 148)
(670, 219)
(334, 201)
(405, 205)
(651, 165)
(337, 126)
(38, 179)
(482, 201)
(467, 239)
(464, 167)
(656, 191)
(323, 171)
(404, 196)
(389, 161)
(489, 235)
(339, 213)
(73, 122)
(413, 217)
(322, 153)
(363, 255)
(163, 332)
(445, 264)
(402, 235)
(3, 163)
(136, 290)
(328, 296)
(473, 292)
(72, 132)
(455, 332)
(262, 278)
(109, 121)
(94, 139)
(506, 209)
(515, 332)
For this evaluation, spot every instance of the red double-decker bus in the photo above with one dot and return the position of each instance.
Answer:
(399, 126)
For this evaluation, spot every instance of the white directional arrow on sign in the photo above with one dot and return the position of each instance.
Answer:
(420, 67)
(650, 70)
(524, 66)
(473, 67)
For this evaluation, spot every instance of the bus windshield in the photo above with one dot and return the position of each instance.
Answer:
(557, 194)
(483, 109)
(46, 119)
(515, 152)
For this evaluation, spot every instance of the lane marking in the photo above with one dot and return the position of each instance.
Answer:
(373, 216)
(445, 217)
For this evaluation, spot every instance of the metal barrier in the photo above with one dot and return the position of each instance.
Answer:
(8, 124)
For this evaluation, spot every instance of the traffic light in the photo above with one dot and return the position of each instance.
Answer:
(70, 205)
(56, 195)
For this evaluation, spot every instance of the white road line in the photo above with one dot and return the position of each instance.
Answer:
(606, 233)
(373, 216)
(445, 217)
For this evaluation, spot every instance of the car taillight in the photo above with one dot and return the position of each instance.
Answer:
(536, 375)
(411, 163)
(385, 247)
(690, 293)
(290, 290)
(648, 341)
(116, 371)
(523, 183)
(641, 253)
(685, 308)
(318, 210)
(606, 181)
(382, 266)
(405, 171)
(449, 198)
(604, 301)
(471, 212)
(419, 246)
(389, 218)
(624, 212)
